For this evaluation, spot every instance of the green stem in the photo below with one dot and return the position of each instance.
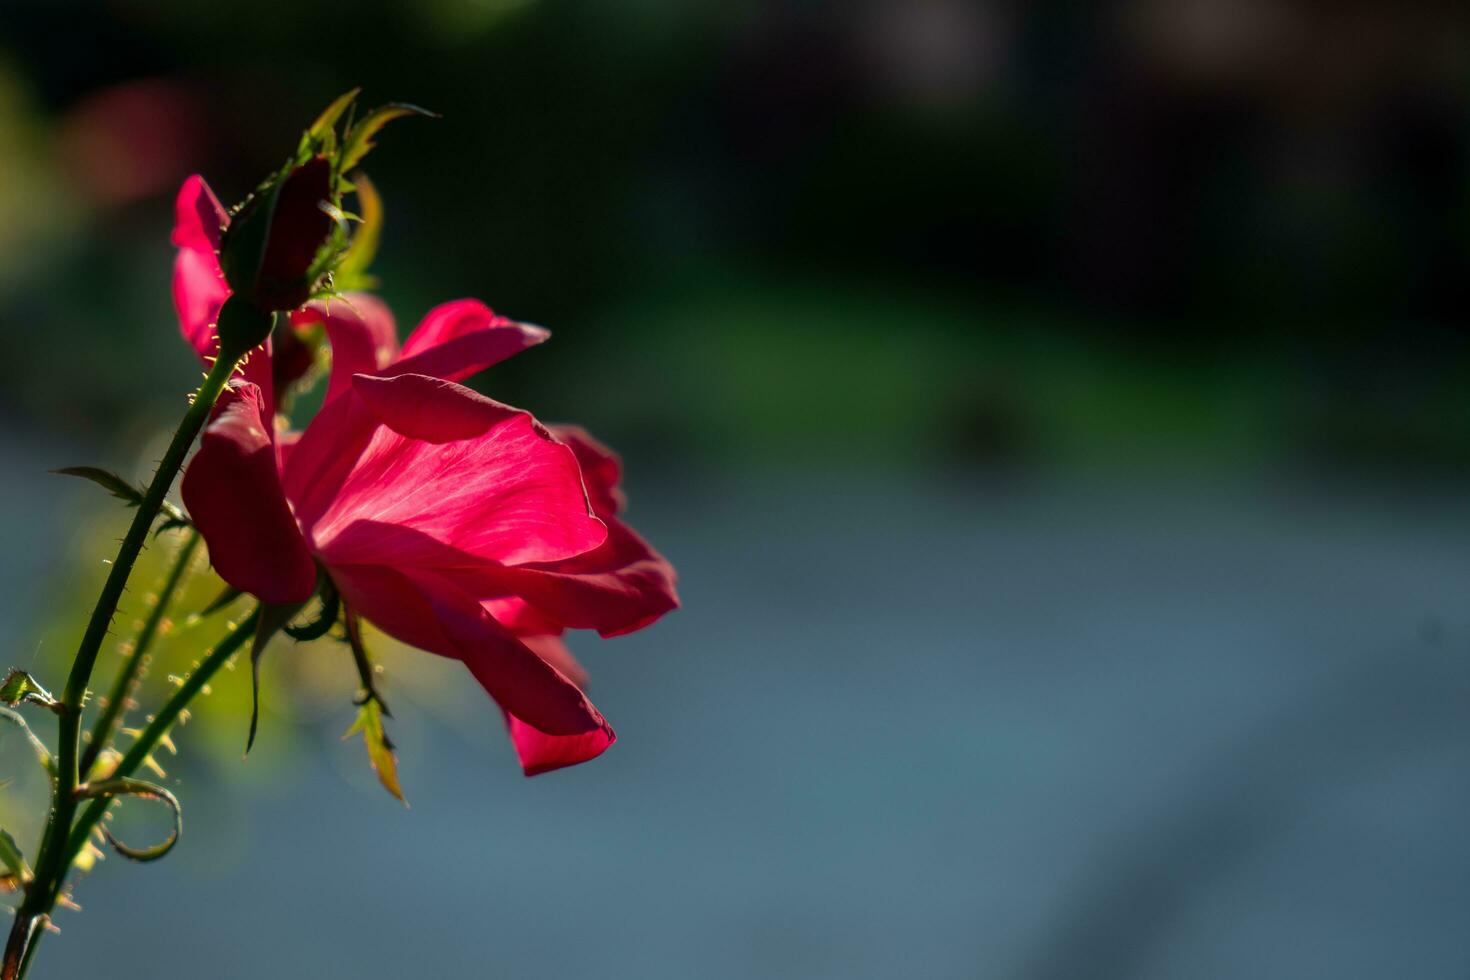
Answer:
(123, 686)
(145, 743)
(142, 748)
(33, 941)
(51, 864)
(364, 665)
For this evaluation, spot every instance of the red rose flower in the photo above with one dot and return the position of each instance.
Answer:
(453, 522)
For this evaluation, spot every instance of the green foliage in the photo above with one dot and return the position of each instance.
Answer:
(20, 687)
(370, 711)
(342, 260)
(331, 606)
(273, 616)
(242, 250)
(123, 490)
(357, 142)
(107, 480)
(351, 271)
(226, 596)
(286, 207)
(322, 136)
(379, 748)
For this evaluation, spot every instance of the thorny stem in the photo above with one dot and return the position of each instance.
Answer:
(143, 747)
(123, 686)
(365, 672)
(52, 862)
(146, 742)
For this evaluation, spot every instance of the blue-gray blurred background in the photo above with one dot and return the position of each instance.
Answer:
(1059, 414)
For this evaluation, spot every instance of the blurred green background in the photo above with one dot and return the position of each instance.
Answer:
(1057, 412)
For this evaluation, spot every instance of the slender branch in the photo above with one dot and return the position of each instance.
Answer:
(148, 740)
(51, 863)
(123, 686)
(43, 754)
(141, 748)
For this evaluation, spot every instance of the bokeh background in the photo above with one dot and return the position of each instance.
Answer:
(1059, 414)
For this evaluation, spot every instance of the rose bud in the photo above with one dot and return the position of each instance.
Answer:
(268, 251)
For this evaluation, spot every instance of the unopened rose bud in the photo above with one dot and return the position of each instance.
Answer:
(270, 246)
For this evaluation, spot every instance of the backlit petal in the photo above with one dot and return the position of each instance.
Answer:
(233, 493)
(430, 612)
(540, 752)
(362, 333)
(199, 292)
(602, 470)
(620, 587)
(453, 467)
(198, 217)
(462, 338)
(199, 286)
(554, 651)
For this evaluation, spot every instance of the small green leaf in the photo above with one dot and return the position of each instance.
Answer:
(227, 596)
(124, 491)
(357, 142)
(325, 127)
(173, 524)
(143, 790)
(107, 480)
(273, 616)
(351, 271)
(379, 748)
(19, 687)
(12, 858)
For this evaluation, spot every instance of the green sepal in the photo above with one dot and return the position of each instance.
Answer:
(273, 616)
(243, 245)
(351, 271)
(228, 595)
(379, 747)
(323, 269)
(322, 136)
(173, 524)
(247, 247)
(357, 142)
(322, 625)
(371, 709)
